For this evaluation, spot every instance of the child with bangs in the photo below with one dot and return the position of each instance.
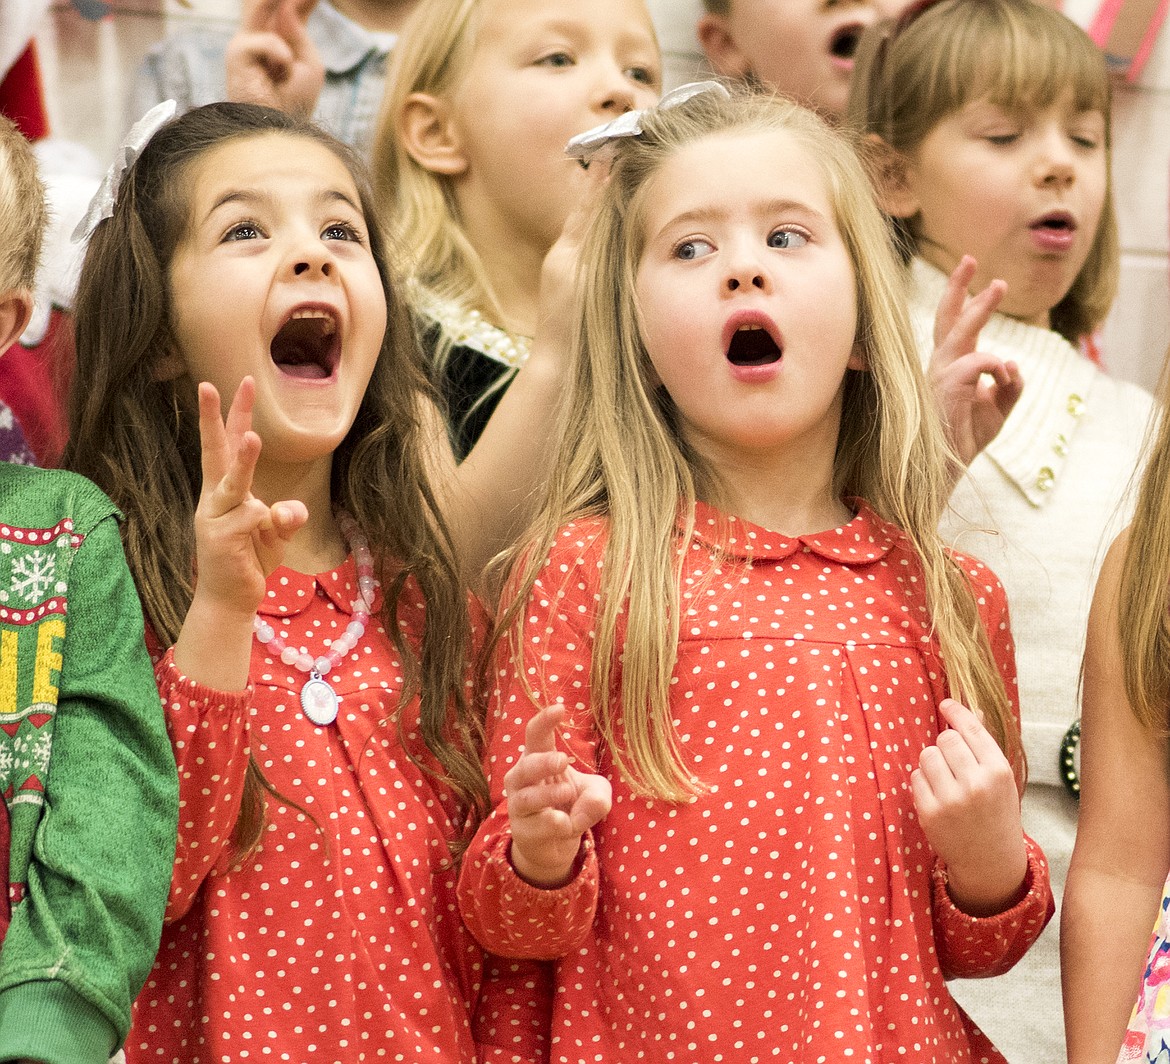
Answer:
(991, 121)
(738, 800)
(482, 97)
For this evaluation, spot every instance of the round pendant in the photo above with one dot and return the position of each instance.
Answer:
(319, 701)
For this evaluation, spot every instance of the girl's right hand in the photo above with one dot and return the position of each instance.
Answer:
(272, 60)
(239, 539)
(550, 804)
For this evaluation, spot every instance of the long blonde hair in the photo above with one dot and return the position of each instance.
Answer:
(433, 52)
(913, 72)
(620, 455)
(1144, 592)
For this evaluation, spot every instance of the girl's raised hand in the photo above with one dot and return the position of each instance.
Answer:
(976, 391)
(968, 803)
(239, 539)
(550, 804)
(272, 60)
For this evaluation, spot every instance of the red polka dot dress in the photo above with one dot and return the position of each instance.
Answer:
(794, 912)
(338, 939)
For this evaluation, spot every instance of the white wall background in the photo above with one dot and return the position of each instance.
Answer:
(88, 67)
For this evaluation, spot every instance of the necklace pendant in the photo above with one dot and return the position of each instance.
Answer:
(319, 701)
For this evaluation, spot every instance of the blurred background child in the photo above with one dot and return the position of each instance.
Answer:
(733, 632)
(87, 821)
(1015, 93)
(801, 48)
(482, 97)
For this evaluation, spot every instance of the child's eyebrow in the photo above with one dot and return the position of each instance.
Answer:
(256, 197)
(702, 215)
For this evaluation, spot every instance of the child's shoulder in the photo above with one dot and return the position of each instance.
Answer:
(989, 591)
(33, 498)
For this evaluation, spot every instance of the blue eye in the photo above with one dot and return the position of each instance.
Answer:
(692, 249)
(786, 238)
(642, 75)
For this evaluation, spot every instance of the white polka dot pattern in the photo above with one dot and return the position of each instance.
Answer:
(794, 912)
(339, 938)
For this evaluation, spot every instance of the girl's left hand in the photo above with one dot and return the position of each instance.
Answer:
(968, 803)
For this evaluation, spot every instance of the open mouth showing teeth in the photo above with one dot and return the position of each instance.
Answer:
(752, 345)
(306, 345)
(844, 42)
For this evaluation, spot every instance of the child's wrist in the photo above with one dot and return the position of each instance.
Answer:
(987, 888)
(543, 874)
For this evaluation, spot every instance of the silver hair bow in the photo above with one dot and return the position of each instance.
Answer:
(585, 145)
(101, 206)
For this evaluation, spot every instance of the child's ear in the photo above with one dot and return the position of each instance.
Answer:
(894, 174)
(720, 48)
(429, 135)
(857, 359)
(16, 307)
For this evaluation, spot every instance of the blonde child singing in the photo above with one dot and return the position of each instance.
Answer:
(1117, 882)
(1015, 93)
(327, 749)
(736, 797)
(482, 96)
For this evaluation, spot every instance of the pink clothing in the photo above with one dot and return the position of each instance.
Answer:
(794, 911)
(338, 938)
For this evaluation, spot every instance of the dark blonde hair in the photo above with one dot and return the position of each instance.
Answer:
(1144, 590)
(137, 436)
(22, 210)
(621, 455)
(913, 72)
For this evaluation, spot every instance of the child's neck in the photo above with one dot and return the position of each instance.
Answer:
(378, 16)
(319, 545)
(791, 498)
(513, 267)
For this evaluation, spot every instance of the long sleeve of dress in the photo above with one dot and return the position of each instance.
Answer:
(507, 915)
(969, 946)
(210, 738)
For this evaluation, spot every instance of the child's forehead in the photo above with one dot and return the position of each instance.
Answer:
(267, 158)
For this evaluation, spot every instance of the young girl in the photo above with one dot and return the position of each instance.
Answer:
(738, 614)
(1117, 882)
(327, 753)
(995, 120)
(481, 99)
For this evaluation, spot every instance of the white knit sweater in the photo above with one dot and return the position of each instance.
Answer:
(1040, 506)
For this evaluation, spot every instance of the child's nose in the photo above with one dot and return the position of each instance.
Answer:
(308, 265)
(615, 93)
(746, 276)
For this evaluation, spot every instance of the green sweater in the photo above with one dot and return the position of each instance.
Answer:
(86, 771)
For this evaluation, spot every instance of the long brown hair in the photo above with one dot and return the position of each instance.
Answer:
(137, 436)
(620, 454)
(913, 72)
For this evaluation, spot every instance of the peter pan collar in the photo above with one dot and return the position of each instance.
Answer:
(863, 540)
(1032, 447)
(290, 592)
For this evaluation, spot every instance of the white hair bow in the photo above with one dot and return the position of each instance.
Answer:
(585, 145)
(101, 206)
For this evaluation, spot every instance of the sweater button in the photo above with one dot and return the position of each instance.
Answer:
(1045, 479)
(1076, 405)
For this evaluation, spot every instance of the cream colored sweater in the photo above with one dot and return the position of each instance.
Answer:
(1040, 506)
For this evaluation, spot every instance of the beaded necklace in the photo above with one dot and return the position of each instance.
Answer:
(468, 328)
(319, 701)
